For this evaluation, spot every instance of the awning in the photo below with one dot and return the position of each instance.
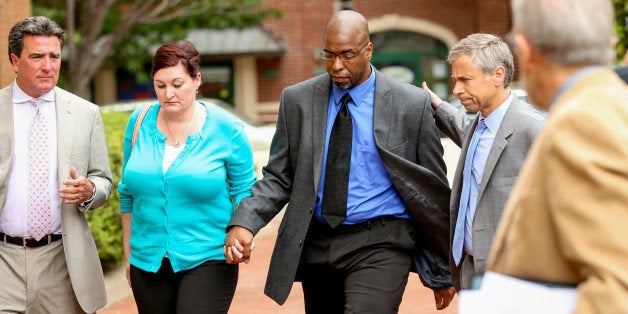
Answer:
(232, 41)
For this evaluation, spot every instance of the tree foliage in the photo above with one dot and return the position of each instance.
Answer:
(120, 33)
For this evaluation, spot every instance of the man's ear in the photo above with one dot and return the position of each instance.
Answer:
(498, 76)
(14, 59)
(524, 49)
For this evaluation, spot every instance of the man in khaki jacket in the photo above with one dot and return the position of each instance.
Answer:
(566, 221)
(54, 167)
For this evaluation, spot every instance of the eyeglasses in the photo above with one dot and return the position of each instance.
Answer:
(343, 56)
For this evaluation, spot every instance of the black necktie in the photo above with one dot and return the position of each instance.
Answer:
(336, 185)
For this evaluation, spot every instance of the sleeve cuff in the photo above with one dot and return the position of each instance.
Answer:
(89, 200)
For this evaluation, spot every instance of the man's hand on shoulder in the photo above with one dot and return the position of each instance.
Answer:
(436, 101)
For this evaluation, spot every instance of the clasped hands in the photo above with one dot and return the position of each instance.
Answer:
(238, 245)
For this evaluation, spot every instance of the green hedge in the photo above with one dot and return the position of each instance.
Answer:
(105, 221)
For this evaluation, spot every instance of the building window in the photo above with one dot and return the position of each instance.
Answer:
(412, 58)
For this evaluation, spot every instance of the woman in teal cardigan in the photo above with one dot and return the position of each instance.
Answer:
(190, 166)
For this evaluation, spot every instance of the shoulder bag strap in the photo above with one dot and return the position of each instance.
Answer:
(138, 123)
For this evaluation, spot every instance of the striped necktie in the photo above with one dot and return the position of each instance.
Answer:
(458, 243)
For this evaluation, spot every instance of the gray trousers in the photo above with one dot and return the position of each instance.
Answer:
(356, 270)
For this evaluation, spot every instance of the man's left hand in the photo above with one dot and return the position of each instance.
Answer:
(77, 190)
(443, 297)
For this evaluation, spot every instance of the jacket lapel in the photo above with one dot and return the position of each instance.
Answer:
(65, 129)
(505, 130)
(6, 139)
(318, 105)
(382, 115)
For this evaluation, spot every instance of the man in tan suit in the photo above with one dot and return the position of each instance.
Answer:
(54, 166)
(566, 221)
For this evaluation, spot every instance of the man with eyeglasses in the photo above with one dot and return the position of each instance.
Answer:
(357, 158)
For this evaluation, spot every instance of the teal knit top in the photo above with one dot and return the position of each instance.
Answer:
(184, 212)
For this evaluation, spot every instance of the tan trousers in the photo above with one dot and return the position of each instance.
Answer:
(35, 280)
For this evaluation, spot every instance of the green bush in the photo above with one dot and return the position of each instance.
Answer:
(105, 221)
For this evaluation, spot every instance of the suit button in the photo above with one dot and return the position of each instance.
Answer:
(311, 210)
(300, 243)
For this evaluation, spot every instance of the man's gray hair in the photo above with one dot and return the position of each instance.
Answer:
(568, 32)
(35, 26)
(487, 52)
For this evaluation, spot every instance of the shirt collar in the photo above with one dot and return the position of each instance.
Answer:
(358, 93)
(573, 79)
(20, 97)
(494, 119)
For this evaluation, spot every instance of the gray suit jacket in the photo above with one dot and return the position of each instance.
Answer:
(81, 144)
(516, 133)
(409, 145)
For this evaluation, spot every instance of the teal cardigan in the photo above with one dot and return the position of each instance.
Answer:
(184, 212)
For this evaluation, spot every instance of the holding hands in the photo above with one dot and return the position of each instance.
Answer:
(238, 245)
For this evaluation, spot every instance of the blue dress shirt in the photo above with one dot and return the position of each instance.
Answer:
(493, 121)
(371, 191)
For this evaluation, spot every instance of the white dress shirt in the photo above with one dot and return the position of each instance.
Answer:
(14, 214)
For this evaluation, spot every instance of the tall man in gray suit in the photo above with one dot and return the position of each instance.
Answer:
(53, 167)
(393, 213)
(494, 145)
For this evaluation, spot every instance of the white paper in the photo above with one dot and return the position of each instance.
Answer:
(501, 294)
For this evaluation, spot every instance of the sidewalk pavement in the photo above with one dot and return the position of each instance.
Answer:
(249, 296)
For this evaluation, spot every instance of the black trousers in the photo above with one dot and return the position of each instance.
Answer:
(207, 288)
(356, 269)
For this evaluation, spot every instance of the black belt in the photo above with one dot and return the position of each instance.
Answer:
(344, 228)
(30, 242)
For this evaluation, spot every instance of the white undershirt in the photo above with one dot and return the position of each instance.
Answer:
(171, 153)
(14, 213)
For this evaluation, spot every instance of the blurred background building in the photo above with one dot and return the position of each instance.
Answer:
(11, 11)
(249, 67)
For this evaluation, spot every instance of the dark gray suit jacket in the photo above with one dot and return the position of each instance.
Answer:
(514, 137)
(407, 140)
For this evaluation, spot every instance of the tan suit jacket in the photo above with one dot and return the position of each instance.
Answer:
(81, 144)
(566, 221)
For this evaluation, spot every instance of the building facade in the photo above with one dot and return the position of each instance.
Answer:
(249, 68)
(11, 11)
(411, 39)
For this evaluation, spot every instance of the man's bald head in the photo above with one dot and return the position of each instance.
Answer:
(348, 23)
(348, 48)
